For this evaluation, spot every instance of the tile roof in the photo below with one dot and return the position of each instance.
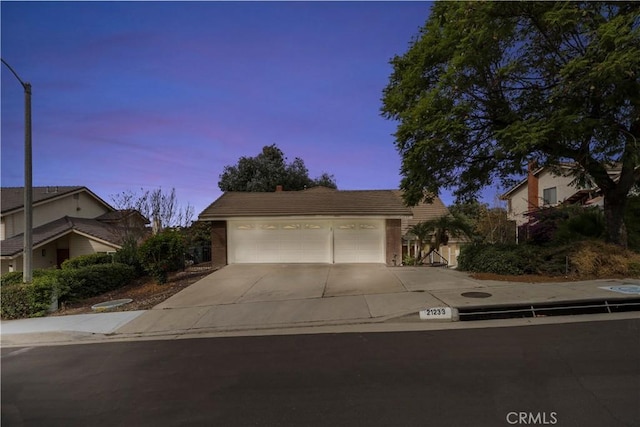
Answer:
(423, 212)
(12, 198)
(58, 228)
(314, 201)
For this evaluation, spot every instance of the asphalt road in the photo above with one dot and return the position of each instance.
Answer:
(581, 374)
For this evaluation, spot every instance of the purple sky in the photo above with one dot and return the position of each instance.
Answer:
(130, 95)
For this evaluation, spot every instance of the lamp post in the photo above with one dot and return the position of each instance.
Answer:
(27, 264)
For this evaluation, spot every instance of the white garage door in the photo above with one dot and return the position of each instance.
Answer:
(300, 241)
(279, 241)
(358, 241)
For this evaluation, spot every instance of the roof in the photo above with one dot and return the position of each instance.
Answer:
(423, 212)
(58, 228)
(12, 198)
(569, 167)
(312, 202)
(119, 215)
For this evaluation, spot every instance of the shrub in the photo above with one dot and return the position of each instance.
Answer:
(599, 259)
(128, 254)
(86, 260)
(161, 254)
(32, 299)
(11, 278)
(588, 223)
(15, 277)
(500, 259)
(94, 280)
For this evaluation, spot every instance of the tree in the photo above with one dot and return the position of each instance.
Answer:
(486, 87)
(269, 169)
(160, 207)
(436, 232)
(489, 224)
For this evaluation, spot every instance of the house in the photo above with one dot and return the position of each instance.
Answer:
(547, 187)
(67, 222)
(316, 225)
(448, 253)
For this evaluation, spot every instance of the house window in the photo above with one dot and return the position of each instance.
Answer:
(549, 196)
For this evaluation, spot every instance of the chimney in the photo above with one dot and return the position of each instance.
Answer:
(532, 186)
(278, 188)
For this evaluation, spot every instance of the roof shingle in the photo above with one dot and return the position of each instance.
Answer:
(315, 201)
(57, 228)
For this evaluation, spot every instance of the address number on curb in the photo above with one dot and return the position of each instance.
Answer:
(436, 313)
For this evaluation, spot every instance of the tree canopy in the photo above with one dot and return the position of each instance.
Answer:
(486, 87)
(267, 170)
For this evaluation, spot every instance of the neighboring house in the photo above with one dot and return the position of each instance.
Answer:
(425, 212)
(544, 187)
(318, 225)
(67, 222)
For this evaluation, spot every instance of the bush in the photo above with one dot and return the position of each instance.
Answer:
(86, 260)
(93, 280)
(161, 254)
(589, 258)
(128, 254)
(34, 299)
(599, 259)
(11, 278)
(585, 224)
(500, 259)
(15, 277)
(21, 300)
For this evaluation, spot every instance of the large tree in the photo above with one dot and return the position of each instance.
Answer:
(487, 87)
(269, 169)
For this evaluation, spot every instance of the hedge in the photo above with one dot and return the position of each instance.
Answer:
(501, 259)
(33, 300)
(86, 260)
(93, 280)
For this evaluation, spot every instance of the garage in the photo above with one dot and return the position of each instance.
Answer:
(306, 241)
(316, 225)
(279, 241)
(358, 241)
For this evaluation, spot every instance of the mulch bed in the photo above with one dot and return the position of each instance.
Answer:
(144, 292)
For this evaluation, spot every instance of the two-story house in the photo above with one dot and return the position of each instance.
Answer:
(67, 222)
(545, 187)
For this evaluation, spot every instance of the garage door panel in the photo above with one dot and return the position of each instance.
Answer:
(279, 241)
(358, 241)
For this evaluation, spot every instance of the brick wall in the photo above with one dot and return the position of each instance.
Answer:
(219, 242)
(394, 241)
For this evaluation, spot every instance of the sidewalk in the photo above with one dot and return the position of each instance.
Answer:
(208, 307)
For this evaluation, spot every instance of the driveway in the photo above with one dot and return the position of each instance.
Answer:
(250, 283)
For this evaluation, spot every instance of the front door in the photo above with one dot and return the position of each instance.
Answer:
(62, 255)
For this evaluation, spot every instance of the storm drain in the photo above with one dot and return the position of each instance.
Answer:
(546, 310)
(476, 294)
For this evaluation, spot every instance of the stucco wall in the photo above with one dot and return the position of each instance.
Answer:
(519, 199)
(81, 245)
(85, 206)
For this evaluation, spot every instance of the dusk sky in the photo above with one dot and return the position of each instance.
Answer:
(131, 95)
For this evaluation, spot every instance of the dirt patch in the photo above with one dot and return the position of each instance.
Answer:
(144, 292)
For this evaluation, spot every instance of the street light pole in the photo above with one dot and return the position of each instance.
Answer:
(27, 254)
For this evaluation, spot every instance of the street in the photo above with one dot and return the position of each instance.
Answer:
(576, 374)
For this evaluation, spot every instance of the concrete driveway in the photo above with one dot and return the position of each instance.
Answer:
(251, 283)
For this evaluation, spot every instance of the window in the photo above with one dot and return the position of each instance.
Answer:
(549, 196)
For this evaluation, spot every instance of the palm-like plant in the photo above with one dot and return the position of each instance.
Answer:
(436, 233)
